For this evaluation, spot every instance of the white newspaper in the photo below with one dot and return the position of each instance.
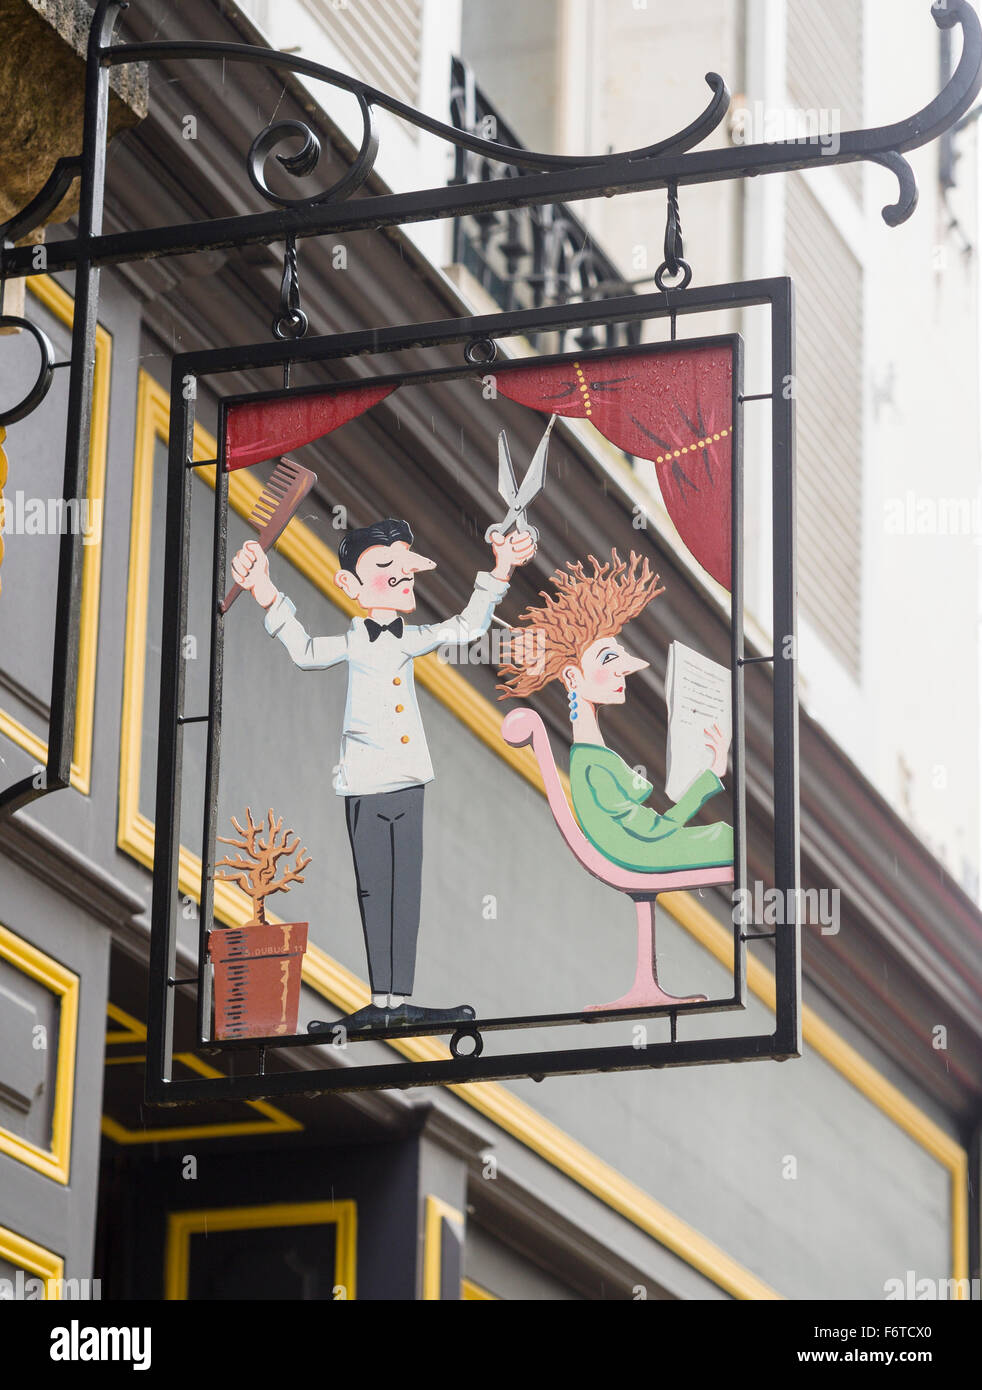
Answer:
(698, 695)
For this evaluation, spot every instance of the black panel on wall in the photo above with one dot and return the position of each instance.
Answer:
(141, 1185)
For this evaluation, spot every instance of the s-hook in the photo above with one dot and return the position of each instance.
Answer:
(673, 264)
(290, 321)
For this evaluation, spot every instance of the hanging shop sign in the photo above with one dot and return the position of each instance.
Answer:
(677, 404)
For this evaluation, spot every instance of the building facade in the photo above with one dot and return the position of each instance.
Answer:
(822, 1177)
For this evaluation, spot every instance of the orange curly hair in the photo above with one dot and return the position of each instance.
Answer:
(584, 608)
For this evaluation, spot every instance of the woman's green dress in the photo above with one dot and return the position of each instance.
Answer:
(608, 799)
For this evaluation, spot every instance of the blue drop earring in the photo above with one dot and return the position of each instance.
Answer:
(572, 705)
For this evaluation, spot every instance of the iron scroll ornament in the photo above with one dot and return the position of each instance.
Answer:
(542, 177)
(307, 157)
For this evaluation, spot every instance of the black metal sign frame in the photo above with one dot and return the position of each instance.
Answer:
(188, 372)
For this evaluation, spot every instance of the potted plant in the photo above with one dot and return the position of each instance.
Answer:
(258, 966)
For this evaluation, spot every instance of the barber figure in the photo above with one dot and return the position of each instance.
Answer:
(384, 763)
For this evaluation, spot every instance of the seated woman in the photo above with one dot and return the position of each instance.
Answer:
(573, 638)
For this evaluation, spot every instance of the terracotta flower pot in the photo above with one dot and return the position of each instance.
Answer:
(257, 978)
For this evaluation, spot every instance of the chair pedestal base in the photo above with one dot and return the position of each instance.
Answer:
(646, 993)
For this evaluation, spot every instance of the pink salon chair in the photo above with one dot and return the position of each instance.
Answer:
(523, 726)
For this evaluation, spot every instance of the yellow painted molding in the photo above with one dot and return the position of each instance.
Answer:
(436, 1211)
(473, 1293)
(274, 1120)
(182, 1225)
(33, 1259)
(62, 306)
(130, 1030)
(54, 1162)
(347, 991)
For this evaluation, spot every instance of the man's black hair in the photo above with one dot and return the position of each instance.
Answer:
(355, 543)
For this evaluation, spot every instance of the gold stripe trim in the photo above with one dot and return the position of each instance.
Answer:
(274, 1121)
(472, 1293)
(33, 1258)
(436, 1212)
(181, 1226)
(55, 1162)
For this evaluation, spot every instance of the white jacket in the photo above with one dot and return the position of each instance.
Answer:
(383, 746)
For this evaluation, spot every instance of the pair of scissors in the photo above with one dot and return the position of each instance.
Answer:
(519, 499)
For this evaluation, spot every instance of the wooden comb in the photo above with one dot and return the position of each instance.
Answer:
(287, 487)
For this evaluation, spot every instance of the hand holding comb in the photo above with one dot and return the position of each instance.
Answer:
(287, 487)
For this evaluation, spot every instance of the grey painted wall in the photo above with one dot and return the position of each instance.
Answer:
(490, 1263)
(61, 1217)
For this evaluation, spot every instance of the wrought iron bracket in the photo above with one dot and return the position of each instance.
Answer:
(542, 177)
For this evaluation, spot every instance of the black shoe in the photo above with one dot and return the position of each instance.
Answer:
(415, 1013)
(321, 1025)
(371, 1016)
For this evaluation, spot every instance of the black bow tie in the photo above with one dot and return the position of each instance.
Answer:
(374, 629)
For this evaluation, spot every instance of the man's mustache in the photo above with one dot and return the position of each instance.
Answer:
(396, 579)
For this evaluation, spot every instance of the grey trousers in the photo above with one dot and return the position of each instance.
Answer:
(386, 834)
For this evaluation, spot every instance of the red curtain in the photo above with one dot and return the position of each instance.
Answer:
(257, 430)
(673, 408)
